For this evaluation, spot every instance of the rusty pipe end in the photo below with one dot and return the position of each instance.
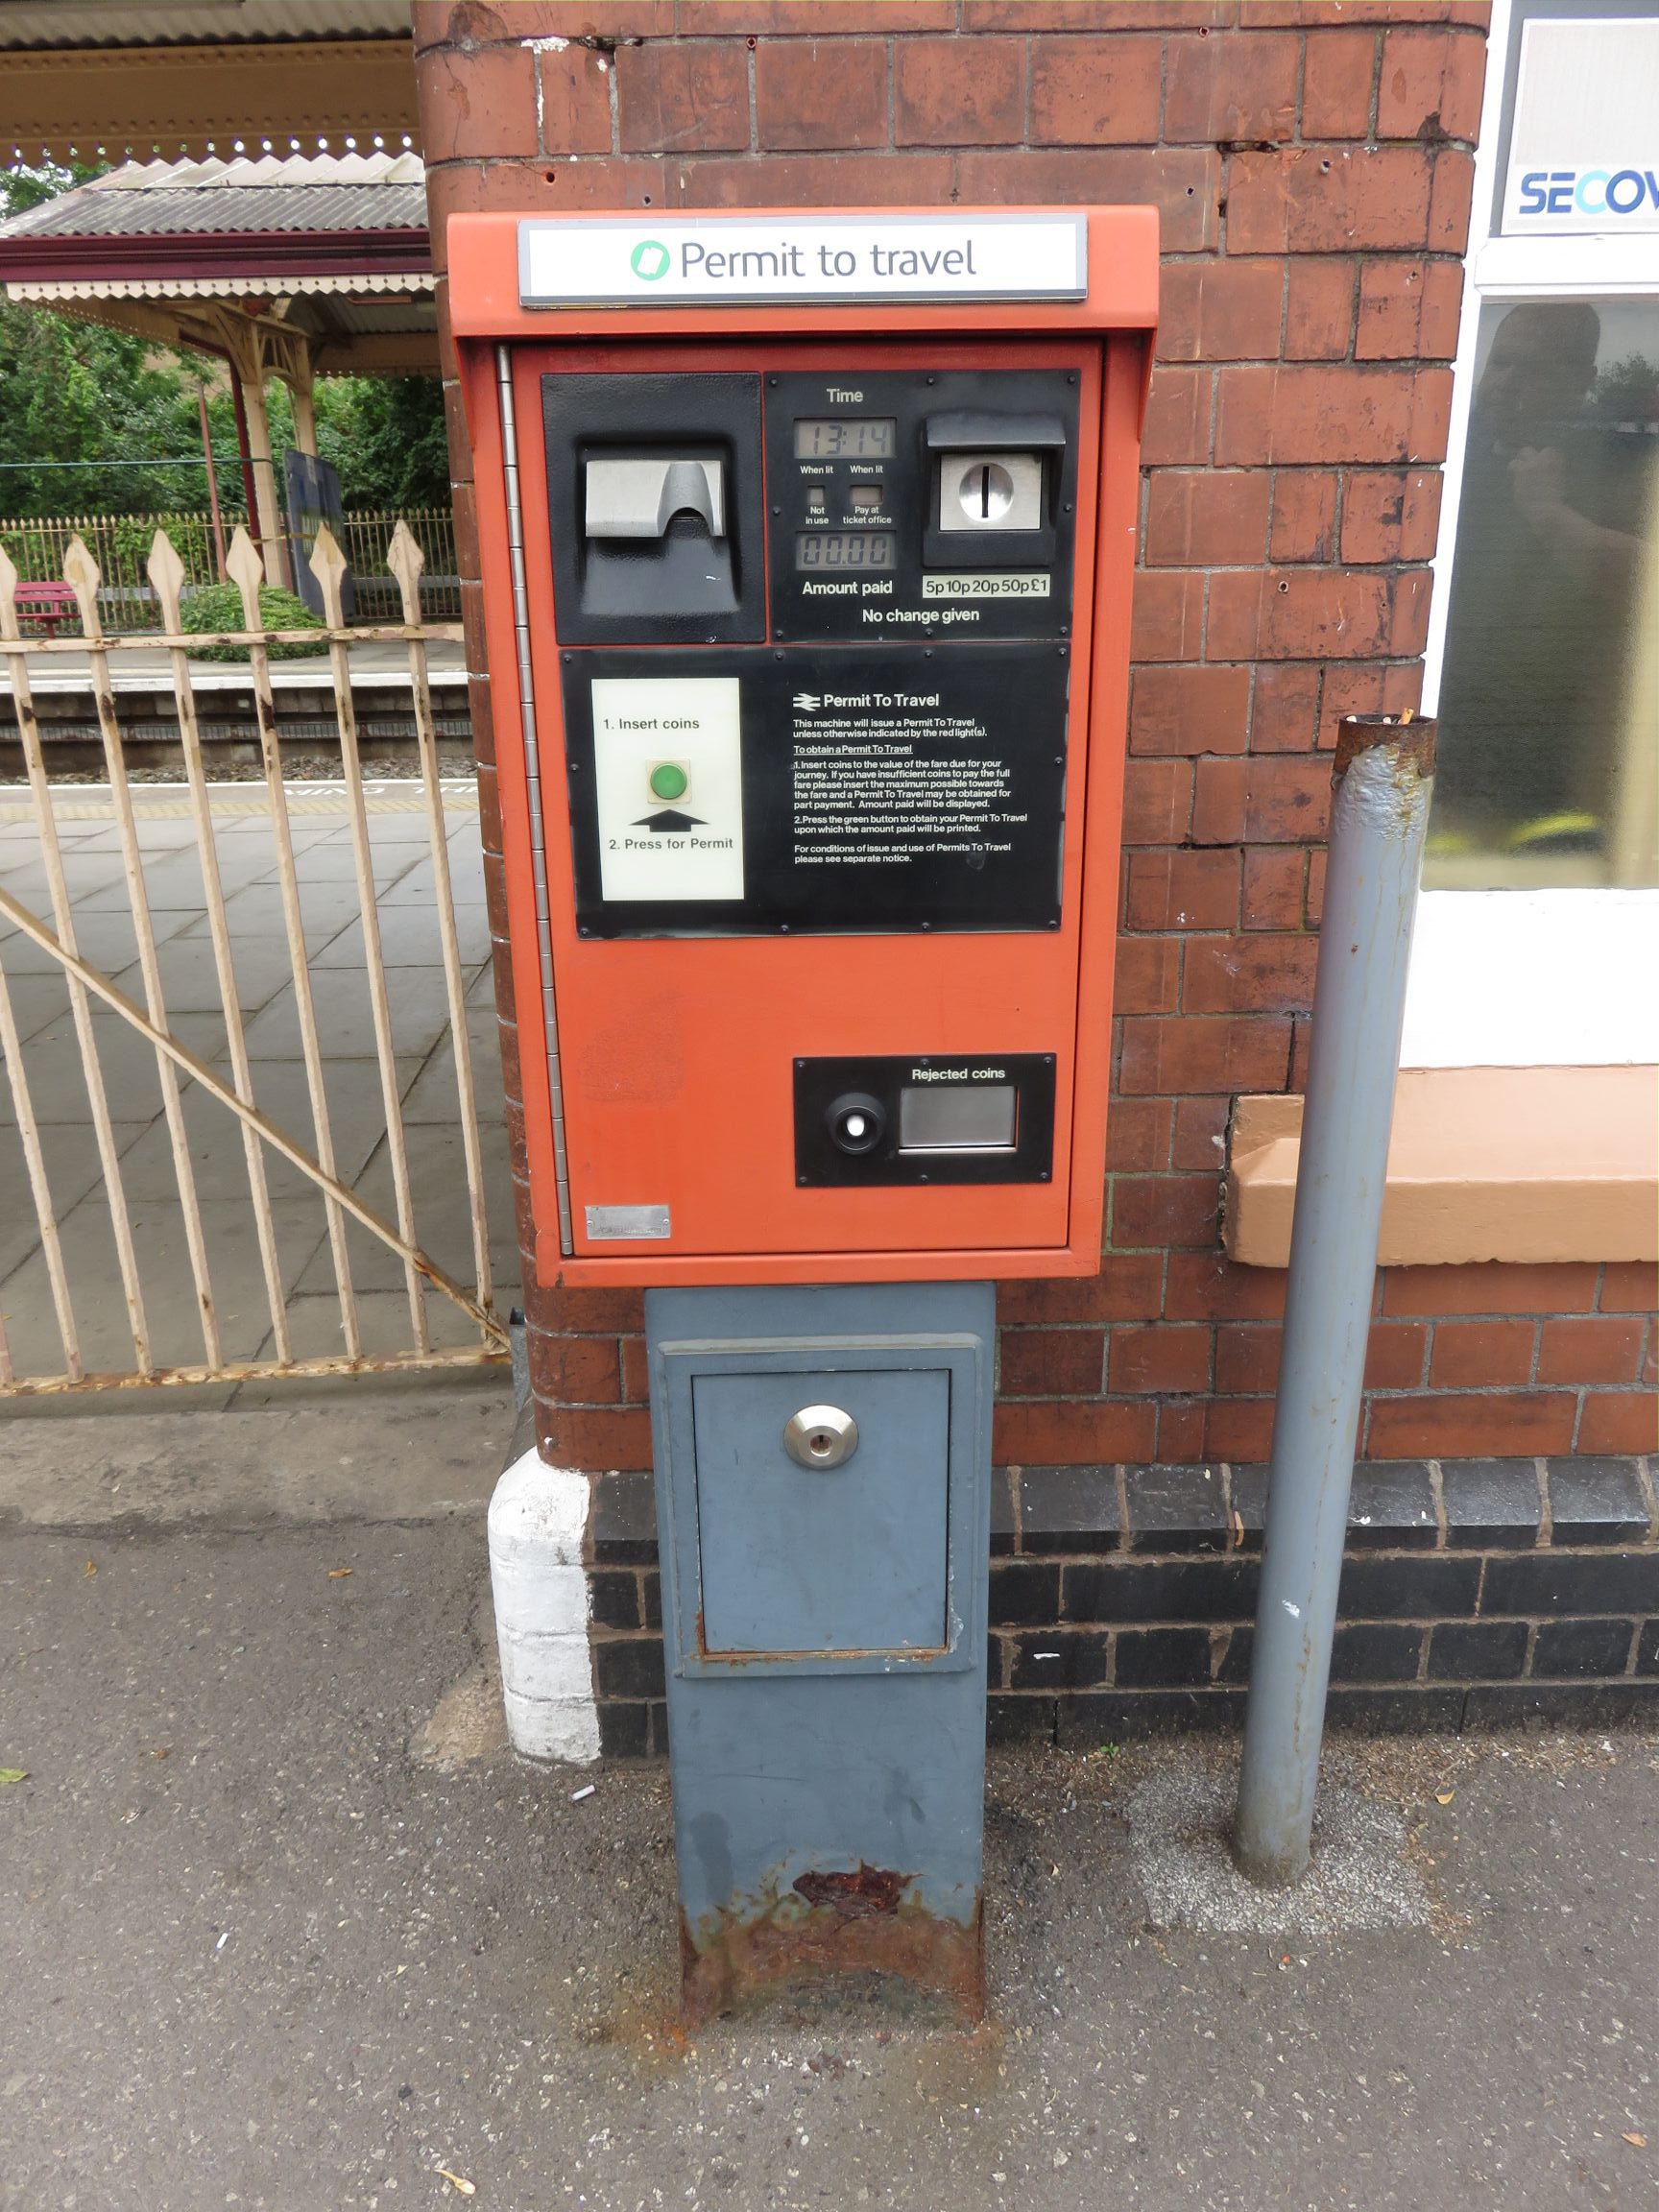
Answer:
(1413, 741)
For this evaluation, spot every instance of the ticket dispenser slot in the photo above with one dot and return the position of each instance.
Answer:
(654, 491)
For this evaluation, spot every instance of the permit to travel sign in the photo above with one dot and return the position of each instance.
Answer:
(624, 261)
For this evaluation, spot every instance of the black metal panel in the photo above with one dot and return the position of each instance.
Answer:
(821, 1084)
(655, 590)
(898, 789)
(1024, 577)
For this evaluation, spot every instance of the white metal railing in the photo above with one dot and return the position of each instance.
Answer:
(121, 545)
(230, 1080)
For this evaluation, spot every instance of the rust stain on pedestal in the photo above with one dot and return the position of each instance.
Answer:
(828, 1924)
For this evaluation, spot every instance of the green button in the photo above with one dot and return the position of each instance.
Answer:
(668, 782)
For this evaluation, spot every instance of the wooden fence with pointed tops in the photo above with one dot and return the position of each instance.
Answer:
(227, 1076)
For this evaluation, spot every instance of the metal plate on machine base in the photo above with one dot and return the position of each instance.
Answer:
(914, 1099)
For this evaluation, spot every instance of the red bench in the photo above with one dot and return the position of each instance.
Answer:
(47, 603)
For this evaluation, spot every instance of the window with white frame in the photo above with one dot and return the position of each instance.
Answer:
(1538, 934)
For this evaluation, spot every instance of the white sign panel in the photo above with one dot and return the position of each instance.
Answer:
(675, 260)
(1584, 152)
(668, 775)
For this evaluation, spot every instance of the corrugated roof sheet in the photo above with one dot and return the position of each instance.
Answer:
(215, 198)
(67, 23)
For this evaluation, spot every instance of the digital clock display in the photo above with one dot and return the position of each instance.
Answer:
(844, 549)
(864, 438)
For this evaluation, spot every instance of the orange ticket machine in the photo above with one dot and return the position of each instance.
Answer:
(806, 544)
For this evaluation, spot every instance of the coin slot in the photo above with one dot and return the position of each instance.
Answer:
(991, 492)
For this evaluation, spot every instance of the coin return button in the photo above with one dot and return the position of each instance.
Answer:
(958, 1117)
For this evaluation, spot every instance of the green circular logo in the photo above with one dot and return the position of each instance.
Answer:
(649, 259)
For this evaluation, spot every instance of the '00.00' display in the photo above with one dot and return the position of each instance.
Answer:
(844, 549)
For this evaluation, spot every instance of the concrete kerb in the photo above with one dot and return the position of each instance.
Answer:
(412, 1455)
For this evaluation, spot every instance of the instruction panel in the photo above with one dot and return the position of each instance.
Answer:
(889, 789)
(669, 787)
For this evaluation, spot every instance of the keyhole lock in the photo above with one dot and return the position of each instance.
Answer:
(821, 1436)
(986, 491)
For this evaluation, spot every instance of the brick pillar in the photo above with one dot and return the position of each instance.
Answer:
(1312, 167)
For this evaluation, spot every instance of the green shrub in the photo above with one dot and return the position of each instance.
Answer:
(219, 607)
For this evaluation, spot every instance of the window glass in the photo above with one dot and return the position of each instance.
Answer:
(1550, 694)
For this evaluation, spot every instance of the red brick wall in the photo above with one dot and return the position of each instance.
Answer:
(1312, 164)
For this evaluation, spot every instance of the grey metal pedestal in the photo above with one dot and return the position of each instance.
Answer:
(824, 1603)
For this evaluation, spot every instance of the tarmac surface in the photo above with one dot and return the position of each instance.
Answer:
(284, 1924)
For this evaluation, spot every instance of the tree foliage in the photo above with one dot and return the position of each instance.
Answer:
(105, 401)
(385, 434)
(1626, 391)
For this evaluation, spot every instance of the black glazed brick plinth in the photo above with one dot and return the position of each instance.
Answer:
(624, 1521)
(1233, 1662)
(1475, 1594)
(1411, 1710)
(1177, 1508)
(1178, 1590)
(613, 1596)
(629, 1667)
(1247, 1495)
(1023, 1589)
(1595, 1502)
(1069, 1509)
(1376, 1651)
(1056, 1659)
(1561, 1705)
(1002, 1521)
(1491, 1504)
(1107, 1717)
(1581, 1648)
(624, 1729)
(1163, 1658)
(1406, 1589)
(1552, 1582)
(1391, 1507)
(1477, 1651)
(1021, 1720)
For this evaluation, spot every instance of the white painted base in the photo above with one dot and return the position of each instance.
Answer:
(537, 1518)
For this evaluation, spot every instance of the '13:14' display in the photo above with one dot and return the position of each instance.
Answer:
(855, 437)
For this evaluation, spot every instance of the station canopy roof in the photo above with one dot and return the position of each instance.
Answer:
(334, 247)
(92, 80)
